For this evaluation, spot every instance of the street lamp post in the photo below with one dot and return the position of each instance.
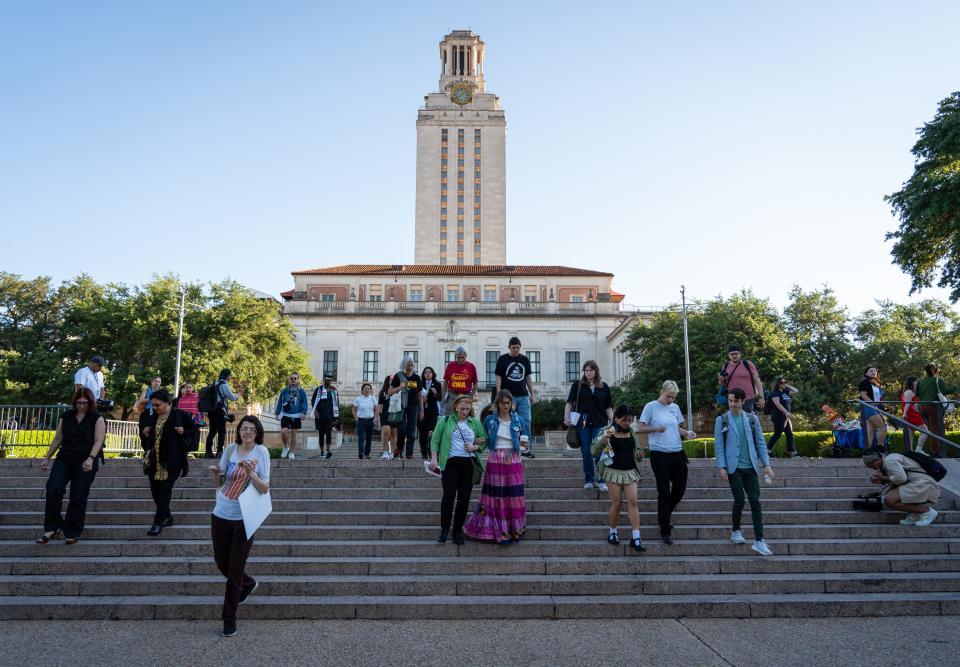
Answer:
(176, 373)
(686, 355)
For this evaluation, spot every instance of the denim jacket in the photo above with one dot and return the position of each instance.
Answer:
(492, 424)
(298, 404)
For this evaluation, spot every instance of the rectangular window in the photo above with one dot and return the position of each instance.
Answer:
(415, 355)
(489, 293)
(476, 200)
(572, 365)
(453, 294)
(491, 376)
(443, 199)
(416, 295)
(534, 356)
(328, 297)
(476, 150)
(576, 298)
(370, 365)
(330, 363)
(448, 356)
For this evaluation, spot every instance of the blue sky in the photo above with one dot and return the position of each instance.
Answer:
(721, 145)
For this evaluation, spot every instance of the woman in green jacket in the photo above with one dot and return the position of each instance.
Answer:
(454, 449)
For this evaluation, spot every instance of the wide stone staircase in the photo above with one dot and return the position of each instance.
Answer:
(355, 539)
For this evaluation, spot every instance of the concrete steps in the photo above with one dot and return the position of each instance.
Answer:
(354, 539)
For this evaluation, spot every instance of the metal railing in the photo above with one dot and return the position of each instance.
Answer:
(124, 437)
(902, 423)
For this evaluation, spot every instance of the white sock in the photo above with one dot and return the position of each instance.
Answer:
(635, 534)
(613, 531)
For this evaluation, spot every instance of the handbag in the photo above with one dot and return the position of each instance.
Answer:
(948, 406)
(573, 434)
(476, 460)
(395, 408)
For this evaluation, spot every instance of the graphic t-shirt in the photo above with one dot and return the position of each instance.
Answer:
(411, 388)
(460, 378)
(785, 401)
(513, 372)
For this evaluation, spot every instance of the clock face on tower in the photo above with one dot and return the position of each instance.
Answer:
(461, 94)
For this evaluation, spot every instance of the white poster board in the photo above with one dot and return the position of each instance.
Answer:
(255, 507)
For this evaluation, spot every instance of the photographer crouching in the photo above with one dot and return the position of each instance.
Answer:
(908, 487)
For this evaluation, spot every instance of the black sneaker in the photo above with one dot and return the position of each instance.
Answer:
(166, 523)
(528, 454)
(637, 545)
(442, 537)
(229, 628)
(613, 539)
(154, 530)
(458, 537)
(667, 539)
(329, 454)
(245, 594)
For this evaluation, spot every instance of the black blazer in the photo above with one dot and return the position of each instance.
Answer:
(173, 447)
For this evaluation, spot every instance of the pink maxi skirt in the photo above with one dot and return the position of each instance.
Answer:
(501, 512)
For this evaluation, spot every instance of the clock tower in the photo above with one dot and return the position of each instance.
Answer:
(461, 163)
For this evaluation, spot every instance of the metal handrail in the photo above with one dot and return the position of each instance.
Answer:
(902, 422)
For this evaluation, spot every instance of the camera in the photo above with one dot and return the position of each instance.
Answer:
(104, 405)
(229, 418)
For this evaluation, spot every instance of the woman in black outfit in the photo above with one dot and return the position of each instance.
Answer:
(431, 409)
(165, 455)
(79, 437)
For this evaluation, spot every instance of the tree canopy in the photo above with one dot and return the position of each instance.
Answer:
(47, 332)
(928, 205)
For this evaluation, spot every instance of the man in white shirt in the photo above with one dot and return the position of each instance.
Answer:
(91, 377)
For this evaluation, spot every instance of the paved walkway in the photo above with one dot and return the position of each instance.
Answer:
(762, 642)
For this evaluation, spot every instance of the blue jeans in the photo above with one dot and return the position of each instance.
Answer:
(587, 435)
(364, 435)
(521, 404)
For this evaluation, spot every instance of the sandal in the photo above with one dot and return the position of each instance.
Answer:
(71, 540)
(46, 537)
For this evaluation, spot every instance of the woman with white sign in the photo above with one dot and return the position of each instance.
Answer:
(243, 463)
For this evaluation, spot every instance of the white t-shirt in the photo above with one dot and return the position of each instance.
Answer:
(90, 380)
(657, 414)
(462, 436)
(230, 509)
(365, 406)
(504, 437)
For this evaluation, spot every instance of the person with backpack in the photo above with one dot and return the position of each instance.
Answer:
(325, 409)
(910, 482)
(215, 404)
(741, 373)
(932, 390)
(291, 408)
(742, 458)
(779, 408)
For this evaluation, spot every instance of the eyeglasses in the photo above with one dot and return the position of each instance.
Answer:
(248, 429)
(83, 402)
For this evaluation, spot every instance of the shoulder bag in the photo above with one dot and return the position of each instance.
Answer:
(946, 403)
(573, 434)
(395, 408)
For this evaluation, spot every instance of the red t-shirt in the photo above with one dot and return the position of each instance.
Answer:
(460, 378)
(741, 376)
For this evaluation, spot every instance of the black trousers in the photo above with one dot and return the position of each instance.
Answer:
(61, 474)
(217, 424)
(231, 548)
(407, 429)
(781, 426)
(670, 470)
(325, 427)
(426, 427)
(457, 482)
(162, 492)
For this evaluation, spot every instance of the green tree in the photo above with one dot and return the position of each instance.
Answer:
(818, 328)
(656, 348)
(901, 339)
(928, 205)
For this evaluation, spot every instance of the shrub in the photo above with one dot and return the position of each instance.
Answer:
(547, 415)
(814, 444)
(347, 422)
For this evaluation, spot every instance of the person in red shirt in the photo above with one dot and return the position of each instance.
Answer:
(459, 379)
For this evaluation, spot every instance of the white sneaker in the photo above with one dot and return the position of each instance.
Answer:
(588, 485)
(919, 448)
(603, 486)
(909, 520)
(292, 456)
(926, 518)
(761, 548)
(386, 456)
(737, 537)
(283, 454)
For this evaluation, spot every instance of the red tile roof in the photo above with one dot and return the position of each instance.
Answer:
(492, 270)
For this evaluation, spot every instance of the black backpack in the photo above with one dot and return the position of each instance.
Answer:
(767, 403)
(208, 398)
(930, 465)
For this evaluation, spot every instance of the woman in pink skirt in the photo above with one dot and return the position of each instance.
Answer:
(501, 511)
